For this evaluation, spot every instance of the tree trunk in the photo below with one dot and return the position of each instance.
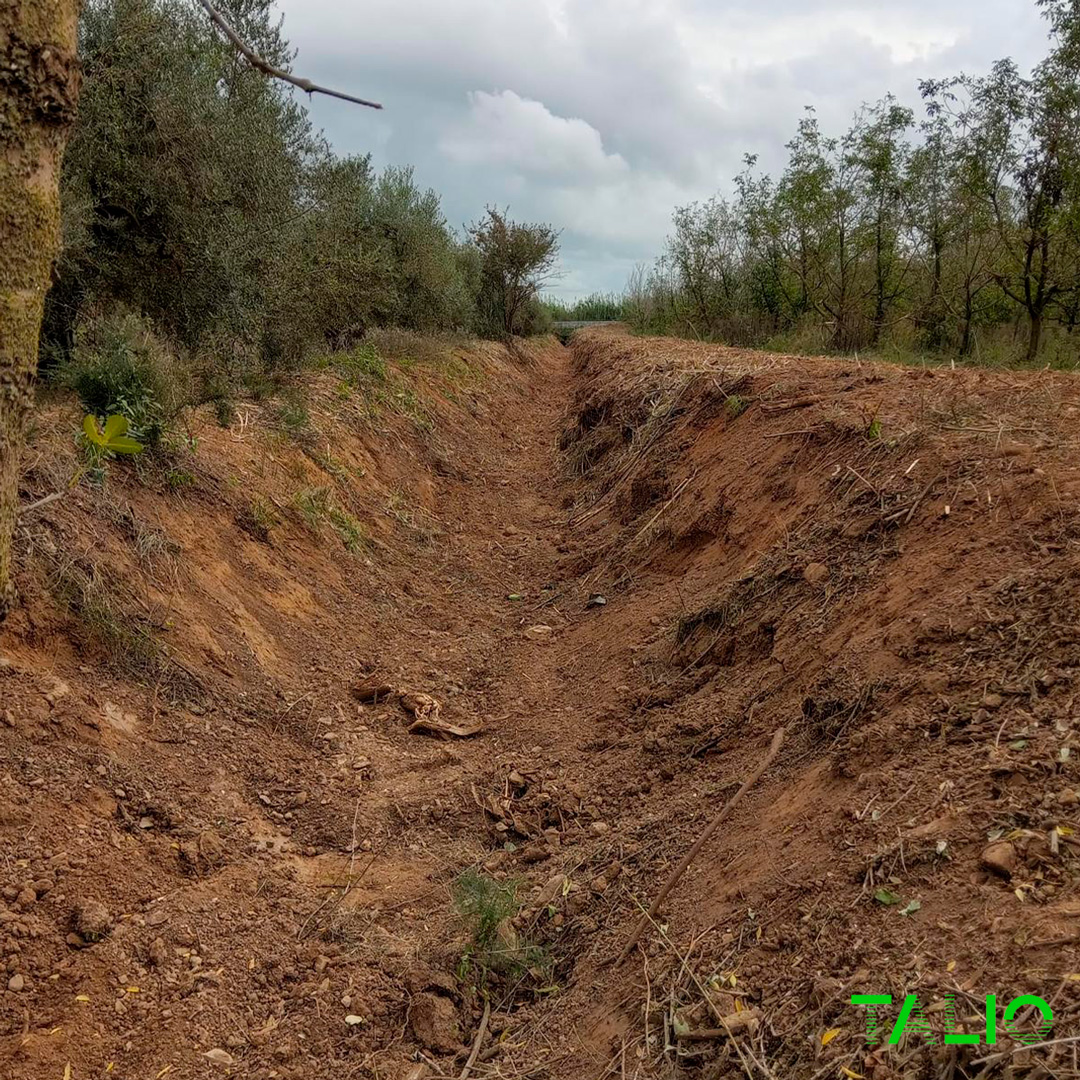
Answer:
(965, 340)
(1034, 336)
(39, 85)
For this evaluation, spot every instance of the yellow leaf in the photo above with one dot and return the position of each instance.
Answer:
(167, 1069)
(115, 426)
(738, 1005)
(90, 430)
(251, 964)
(133, 990)
(83, 997)
(830, 1035)
(1019, 894)
(851, 1075)
(951, 965)
(110, 1066)
(1064, 830)
(67, 1071)
(1073, 978)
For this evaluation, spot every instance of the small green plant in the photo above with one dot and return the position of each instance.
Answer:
(258, 519)
(874, 430)
(352, 533)
(735, 406)
(113, 438)
(314, 505)
(362, 364)
(293, 416)
(485, 904)
(487, 907)
(179, 480)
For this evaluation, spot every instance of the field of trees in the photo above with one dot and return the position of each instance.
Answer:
(954, 231)
(205, 221)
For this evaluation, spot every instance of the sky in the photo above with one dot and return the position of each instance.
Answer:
(601, 116)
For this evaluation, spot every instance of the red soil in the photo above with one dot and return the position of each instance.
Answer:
(881, 559)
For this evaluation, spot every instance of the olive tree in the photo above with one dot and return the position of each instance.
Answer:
(39, 87)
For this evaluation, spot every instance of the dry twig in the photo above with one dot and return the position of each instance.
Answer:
(257, 62)
(713, 825)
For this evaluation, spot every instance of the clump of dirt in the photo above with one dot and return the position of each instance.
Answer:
(610, 574)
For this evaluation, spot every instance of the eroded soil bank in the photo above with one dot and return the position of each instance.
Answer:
(628, 562)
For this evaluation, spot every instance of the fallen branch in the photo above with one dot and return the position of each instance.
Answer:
(257, 62)
(481, 1032)
(48, 500)
(747, 1020)
(713, 825)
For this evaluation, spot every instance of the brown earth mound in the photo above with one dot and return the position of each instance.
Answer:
(537, 616)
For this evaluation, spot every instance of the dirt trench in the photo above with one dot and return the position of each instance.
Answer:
(629, 562)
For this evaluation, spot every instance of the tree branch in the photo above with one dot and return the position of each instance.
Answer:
(257, 62)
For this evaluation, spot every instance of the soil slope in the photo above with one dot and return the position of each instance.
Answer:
(628, 562)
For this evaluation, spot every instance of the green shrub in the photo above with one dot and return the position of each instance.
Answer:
(485, 904)
(360, 364)
(118, 367)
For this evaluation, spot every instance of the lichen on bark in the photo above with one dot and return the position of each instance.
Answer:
(39, 86)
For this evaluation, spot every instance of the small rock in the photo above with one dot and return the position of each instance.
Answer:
(434, 1023)
(816, 573)
(540, 632)
(551, 891)
(26, 898)
(935, 682)
(220, 1057)
(599, 827)
(993, 701)
(1068, 797)
(372, 691)
(57, 689)
(158, 952)
(1000, 859)
(92, 921)
(536, 851)
(16, 983)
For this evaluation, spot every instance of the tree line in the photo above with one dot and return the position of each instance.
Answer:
(952, 231)
(197, 194)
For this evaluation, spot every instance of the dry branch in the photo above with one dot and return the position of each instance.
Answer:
(713, 825)
(257, 62)
(481, 1032)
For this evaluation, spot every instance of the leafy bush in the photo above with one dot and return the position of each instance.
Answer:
(119, 367)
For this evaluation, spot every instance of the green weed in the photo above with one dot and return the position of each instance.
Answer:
(735, 406)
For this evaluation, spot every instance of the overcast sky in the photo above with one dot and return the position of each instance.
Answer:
(600, 116)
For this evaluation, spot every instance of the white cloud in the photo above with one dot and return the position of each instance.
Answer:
(601, 115)
(524, 136)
